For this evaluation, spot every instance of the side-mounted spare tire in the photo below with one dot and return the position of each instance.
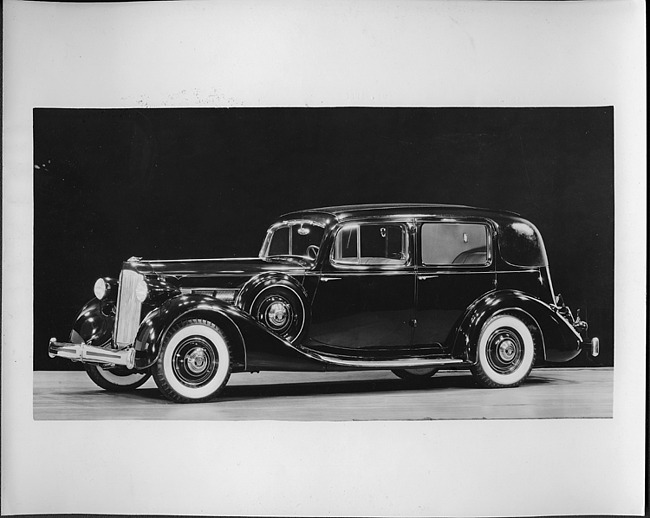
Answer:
(281, 309)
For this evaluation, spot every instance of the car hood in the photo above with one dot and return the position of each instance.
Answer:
(219, 267)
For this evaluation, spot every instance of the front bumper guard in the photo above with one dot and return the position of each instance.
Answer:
(92, 354)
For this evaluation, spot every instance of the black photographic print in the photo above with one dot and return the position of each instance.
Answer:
(343, 259)
(187, 185)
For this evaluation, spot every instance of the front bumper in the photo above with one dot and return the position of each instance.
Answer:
(92, 354)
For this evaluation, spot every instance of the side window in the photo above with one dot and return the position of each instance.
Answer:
(454, 244)
(280, 242)
(371, 244)
(347, 245)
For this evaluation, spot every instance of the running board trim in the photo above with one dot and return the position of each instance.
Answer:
(410, 363)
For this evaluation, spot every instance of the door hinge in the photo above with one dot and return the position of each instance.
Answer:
(413, 322)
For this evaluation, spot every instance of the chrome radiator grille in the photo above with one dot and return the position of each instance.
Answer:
(127, 319)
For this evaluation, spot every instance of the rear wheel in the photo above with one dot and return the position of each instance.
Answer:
(416, 375)
(505, 352)
(194, 362)
(118, 379)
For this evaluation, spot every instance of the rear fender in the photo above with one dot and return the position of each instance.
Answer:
(555, 338)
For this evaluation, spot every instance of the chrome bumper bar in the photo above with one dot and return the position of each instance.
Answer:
(92, 354)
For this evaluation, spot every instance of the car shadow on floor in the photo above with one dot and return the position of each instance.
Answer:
(338, 387)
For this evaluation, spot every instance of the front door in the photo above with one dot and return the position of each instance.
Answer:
(455, 267)
(365, 298)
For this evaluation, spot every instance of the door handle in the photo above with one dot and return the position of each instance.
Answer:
(327, 279)
(426, 277)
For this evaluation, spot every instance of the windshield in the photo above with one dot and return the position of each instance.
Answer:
(297, 238)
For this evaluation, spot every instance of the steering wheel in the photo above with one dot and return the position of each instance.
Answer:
(312, 251)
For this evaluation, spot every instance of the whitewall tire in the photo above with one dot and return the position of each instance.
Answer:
(505, 352)
(116, 380)
(194, 363)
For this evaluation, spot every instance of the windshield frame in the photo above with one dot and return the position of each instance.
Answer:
(284, 224)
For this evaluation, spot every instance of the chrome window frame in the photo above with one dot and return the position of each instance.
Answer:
(489, 234)
(266, 244)
(406, 245)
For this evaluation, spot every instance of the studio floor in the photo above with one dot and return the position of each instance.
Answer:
(350, 396)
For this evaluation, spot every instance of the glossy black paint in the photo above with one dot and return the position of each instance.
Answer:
(95, 322)
(251, 344)
(363, 310)
(443, 297)
(557, 341)
(355, 312)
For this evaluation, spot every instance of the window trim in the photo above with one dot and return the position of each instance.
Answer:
(266, 244)
(489, 232)
(405, 226)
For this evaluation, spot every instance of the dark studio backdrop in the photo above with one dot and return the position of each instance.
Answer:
(175, 183)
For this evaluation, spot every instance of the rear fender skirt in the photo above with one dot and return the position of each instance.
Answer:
(94, 324)
(248, 338)
(557, 341)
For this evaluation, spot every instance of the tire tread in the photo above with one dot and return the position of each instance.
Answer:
(100, 381)
(483, 379)
(158, 370)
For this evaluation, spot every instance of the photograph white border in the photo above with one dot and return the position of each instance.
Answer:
(335, 53)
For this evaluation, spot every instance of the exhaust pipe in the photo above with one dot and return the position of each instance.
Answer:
(91, 354)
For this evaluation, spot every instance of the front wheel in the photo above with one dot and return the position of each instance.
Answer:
(119, 379)
(505, 352)
(194, 362)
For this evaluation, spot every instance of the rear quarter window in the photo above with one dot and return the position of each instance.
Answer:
(454, 244)
(520, 244)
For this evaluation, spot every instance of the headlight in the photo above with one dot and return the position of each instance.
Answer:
(100, 288)
(141, 291)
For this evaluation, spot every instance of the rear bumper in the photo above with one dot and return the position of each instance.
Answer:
(91, 354)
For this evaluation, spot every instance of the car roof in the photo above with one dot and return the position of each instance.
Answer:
(345, 212)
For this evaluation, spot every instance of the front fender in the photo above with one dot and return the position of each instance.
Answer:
(155, 325)
(557, 341)
(253, 346)
(94, 323)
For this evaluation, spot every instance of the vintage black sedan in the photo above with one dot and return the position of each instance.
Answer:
(412, 288)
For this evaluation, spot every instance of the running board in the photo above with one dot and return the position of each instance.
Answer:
(410, 363)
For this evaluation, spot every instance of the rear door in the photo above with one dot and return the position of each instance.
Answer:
(366, 293)
(455, 266)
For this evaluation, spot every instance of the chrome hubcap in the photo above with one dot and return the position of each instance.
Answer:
(278, 314)
(195, 361)
(505, 350)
